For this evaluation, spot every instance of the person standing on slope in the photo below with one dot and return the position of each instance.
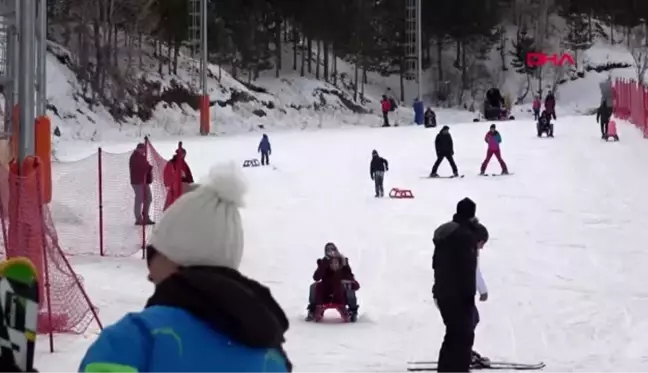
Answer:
(177, 176)
(603, 115)
(493, 139)
(455, 266)
(550, 104)
(537, 104)
(141, 178)
(444, 150)
(204, 315)
(265, 149)
(377, 169)
(386, 107)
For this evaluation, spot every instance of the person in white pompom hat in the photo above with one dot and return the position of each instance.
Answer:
(201, 302)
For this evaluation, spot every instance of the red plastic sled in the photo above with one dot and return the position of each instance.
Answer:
(341, 308)
(400, 193)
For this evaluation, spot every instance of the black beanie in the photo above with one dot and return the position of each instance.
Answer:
(466, 208)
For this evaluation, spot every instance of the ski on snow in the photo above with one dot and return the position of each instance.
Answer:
(19, 298)
(444, 177)
(509, 174)
(430, 366)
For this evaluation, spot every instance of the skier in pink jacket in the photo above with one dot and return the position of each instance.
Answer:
(493, 139)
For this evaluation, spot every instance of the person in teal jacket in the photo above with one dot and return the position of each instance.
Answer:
(204, 316)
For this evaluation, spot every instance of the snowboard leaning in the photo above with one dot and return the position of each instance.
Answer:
(19, 300)
(429, 366)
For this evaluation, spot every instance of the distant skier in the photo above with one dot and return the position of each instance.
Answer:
(177, 176)
(377, 169)
(550, 104)
(430, 118)
(265, 149)
(386, 107)
(603, 115)
(444, 150)
(493, 139)
(537, 105)
(455, 267)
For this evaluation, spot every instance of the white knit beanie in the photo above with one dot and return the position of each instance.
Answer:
(203, 227)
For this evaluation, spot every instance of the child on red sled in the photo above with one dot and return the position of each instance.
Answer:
(334, 284)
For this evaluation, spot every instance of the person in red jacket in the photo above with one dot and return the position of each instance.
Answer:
(334, 283)
(386, 107)
(141, 178)
(177, 176)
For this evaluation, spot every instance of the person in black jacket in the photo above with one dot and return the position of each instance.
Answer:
(444, 149)
(603, 115)
(455, 266)
(377, 169)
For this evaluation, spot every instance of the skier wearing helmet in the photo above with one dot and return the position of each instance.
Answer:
(334, 284)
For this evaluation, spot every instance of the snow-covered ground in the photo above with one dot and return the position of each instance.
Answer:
(565, 264)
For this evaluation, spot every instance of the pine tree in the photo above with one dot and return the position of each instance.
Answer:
(578, 36)
(522, 46)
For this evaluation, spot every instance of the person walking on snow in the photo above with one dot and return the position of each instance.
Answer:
(493, 139)
(141, 179)
(265, 149)
(455, 267)
(377, 169)
(203, 315)
(603, 115)
(444, 150)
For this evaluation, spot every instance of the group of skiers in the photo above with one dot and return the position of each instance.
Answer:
(445, 150)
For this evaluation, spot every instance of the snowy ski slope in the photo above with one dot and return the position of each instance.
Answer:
(566, 264)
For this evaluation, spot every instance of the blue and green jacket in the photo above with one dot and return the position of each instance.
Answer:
(188, 326)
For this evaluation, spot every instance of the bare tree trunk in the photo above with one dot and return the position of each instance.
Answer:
(317, 60)
(327, 61)
(309, 52)
(295, 44)
(278, 45)
(303, 63)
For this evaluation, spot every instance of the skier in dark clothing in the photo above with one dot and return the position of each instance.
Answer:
(265, 149)
(603, 115)
(455, 266)
(377, 169)
(444, 150)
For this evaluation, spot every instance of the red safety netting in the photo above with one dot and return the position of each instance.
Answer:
(93, 203)
(631, 103)
(28, 231)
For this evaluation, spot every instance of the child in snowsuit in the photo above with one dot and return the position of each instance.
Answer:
(430, 118)
(493, 139)
(444, 150)
(265, 149)
(612, 131)
(334, 283)
(377, 169)
(537, 104)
